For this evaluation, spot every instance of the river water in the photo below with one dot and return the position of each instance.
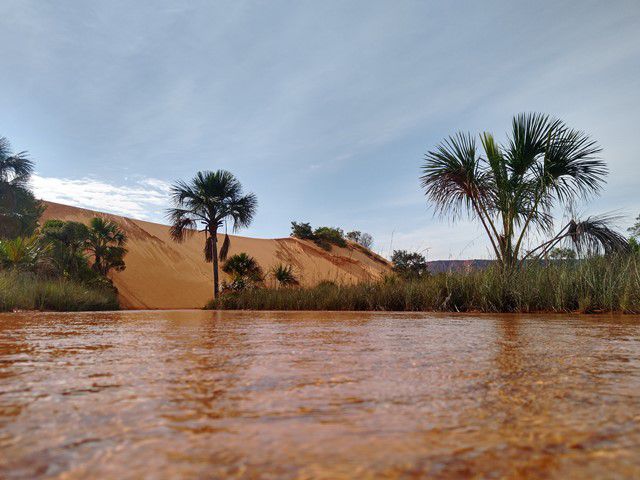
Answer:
(194, 394)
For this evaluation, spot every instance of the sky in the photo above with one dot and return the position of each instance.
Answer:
(323, 109)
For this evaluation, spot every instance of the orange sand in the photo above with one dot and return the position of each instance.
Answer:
(162, 274)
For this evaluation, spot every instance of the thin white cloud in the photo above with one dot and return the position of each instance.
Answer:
(144, 199)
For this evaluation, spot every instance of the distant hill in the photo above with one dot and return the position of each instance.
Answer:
(163, 274)
(439, 266)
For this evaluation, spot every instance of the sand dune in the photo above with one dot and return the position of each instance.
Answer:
(163, 274)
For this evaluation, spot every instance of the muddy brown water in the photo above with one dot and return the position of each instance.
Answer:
(194, 394)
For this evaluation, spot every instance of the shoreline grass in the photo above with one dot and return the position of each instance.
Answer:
(27, 291)
(595, 285)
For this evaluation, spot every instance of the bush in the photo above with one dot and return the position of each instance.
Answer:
(302, 231)
(244, 270)
(283, 274)
(27, 291)
(324, 237)
(409, 265)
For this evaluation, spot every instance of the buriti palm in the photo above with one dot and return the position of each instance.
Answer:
(512, 188)
(207, 203)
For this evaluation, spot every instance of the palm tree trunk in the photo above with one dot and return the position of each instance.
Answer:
(214, 256)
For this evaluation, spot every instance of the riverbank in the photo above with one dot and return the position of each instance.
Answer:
(26, 291)
(597, 285)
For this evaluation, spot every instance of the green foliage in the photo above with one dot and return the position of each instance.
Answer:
(634, 230)
(244, 270)
(512, 188)
(363, 239)
(19, 209)
(284, 275)
(562, 253)
(409, 265)
(67, 243)
(302, 231)
(106, 244)
(634, 245)
(209, 201)
(598, 284)
(324, 237)
(21, 290)
(23, 253)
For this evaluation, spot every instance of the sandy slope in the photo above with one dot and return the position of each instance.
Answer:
(163, 274)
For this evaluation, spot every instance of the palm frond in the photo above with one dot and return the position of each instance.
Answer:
(596, 234)
(242, 210)
(224, 250)
(452, 176)
(183, 224)
(208, 249)
(570, 165)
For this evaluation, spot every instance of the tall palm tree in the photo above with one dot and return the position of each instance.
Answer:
(512, 188)
(106, 243)
(19, 209)
(207, 203)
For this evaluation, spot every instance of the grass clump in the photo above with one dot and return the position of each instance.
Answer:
(21, 290)
(599, 284)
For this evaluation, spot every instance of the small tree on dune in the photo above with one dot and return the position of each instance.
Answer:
(363, 239)
(209, 201)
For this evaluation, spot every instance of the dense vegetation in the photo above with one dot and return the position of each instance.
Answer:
(596, 284)
(58, 265)
(20, 290)
(326, 237)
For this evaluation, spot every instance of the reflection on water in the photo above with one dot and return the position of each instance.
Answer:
(318, 395)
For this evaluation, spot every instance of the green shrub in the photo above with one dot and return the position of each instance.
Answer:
(21, 290)
(302, 231)
(283, 274)
(324, 237)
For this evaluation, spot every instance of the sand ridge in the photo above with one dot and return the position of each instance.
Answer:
(163, 274)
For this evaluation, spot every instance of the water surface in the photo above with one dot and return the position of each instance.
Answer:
(318, 395)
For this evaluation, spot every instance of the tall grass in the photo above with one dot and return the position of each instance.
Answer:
(27, 291)
(602, 284)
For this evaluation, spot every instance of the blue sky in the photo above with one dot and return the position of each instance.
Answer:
(323, 109)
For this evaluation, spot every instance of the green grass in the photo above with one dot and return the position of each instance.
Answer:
(26, 291)
(600, 284)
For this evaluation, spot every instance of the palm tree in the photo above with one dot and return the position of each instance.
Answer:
(19, 209)
(512, 188)
(106, 243)
(208, 202)
(284, 275)
(68, 243)
(26, 253)
(244, 270)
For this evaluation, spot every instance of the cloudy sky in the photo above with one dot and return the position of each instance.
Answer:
(324, 109)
